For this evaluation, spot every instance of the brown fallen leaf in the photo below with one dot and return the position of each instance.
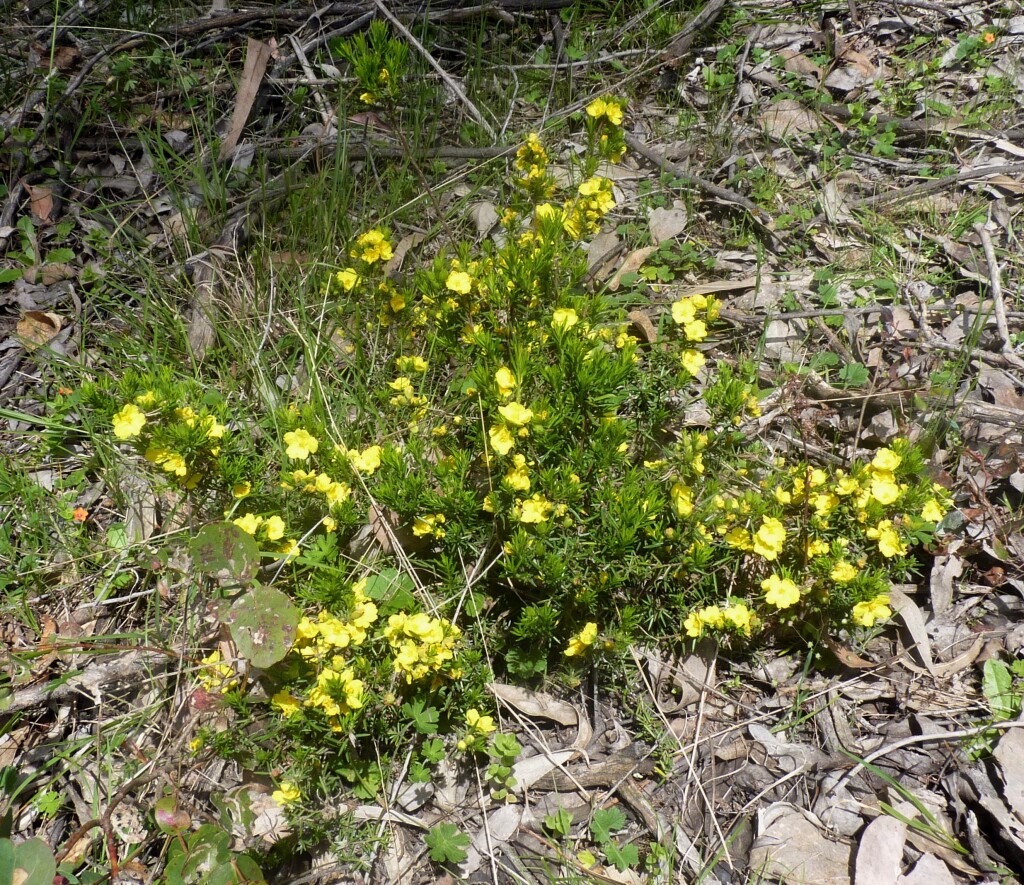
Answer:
(634, 261)
(41, 200)
(37, 328)
(55, 273)
(641, 326)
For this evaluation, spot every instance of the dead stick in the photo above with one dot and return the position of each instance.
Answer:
(757, 214)
(996, 288)
(448, 79)
(925, 187)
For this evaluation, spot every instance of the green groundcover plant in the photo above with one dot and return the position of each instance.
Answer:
(523, 460)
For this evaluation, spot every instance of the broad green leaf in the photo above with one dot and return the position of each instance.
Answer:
(262, 623)
(997, 684)
(27, 863)
(605, 822)
(447, 843)
(226, 552)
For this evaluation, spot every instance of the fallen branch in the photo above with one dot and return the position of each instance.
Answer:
(761, 218)
(129, 666)
(913, 191)
(996, 289)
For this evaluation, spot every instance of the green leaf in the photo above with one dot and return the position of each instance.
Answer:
(559, 823)
(27, 863)
(854, 375)
(391, 589)
(997, 684)
(606, 821)
(262, 623)
(10, 274)
(527, 663)
(433, 750)
(424, 718)
(447, 844)
(226, 552)
(622, 857)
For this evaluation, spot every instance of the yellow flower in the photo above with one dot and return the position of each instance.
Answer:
(366, 461)
(286, 794)
(536, 509)
(889, 542)
(506, 381)
(682, 499)
(607, 108)
(502, 440)
(884, 488)
(885, 460)
(372, 247)
(170, 461)
(273, 528)
(739, 538)
(301, 444)
(817, 547)
(429, 525)
(289, 548)
(582, 641)
(477, 722)
(695, 331)
(564, 318)
(739, 617)
(348, 279)
(459, 281)
(780, 592)
(693, 361)
(215, 674)
(693, 625)
(146, 399)
(684, 311)
(337, 493)
(712, 616)
(288, 704)
(241, 490)
(516, 413)
(414, 364)
(824, 502)
(518, 477)
(865, 614)
(248, 523)
(847, 485)
(932, 511)
(769, 538)
(843, 572)
(128, 423)
(329, 523)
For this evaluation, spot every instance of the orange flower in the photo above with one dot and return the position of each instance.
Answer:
(80, 514)
(989, 37)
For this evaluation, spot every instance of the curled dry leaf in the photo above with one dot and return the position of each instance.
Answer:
(913, 618)
(535, 703)
(37, 328)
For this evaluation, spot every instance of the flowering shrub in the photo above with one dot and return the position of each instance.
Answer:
(525, 455)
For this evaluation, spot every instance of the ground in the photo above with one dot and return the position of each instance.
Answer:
(538, 441)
